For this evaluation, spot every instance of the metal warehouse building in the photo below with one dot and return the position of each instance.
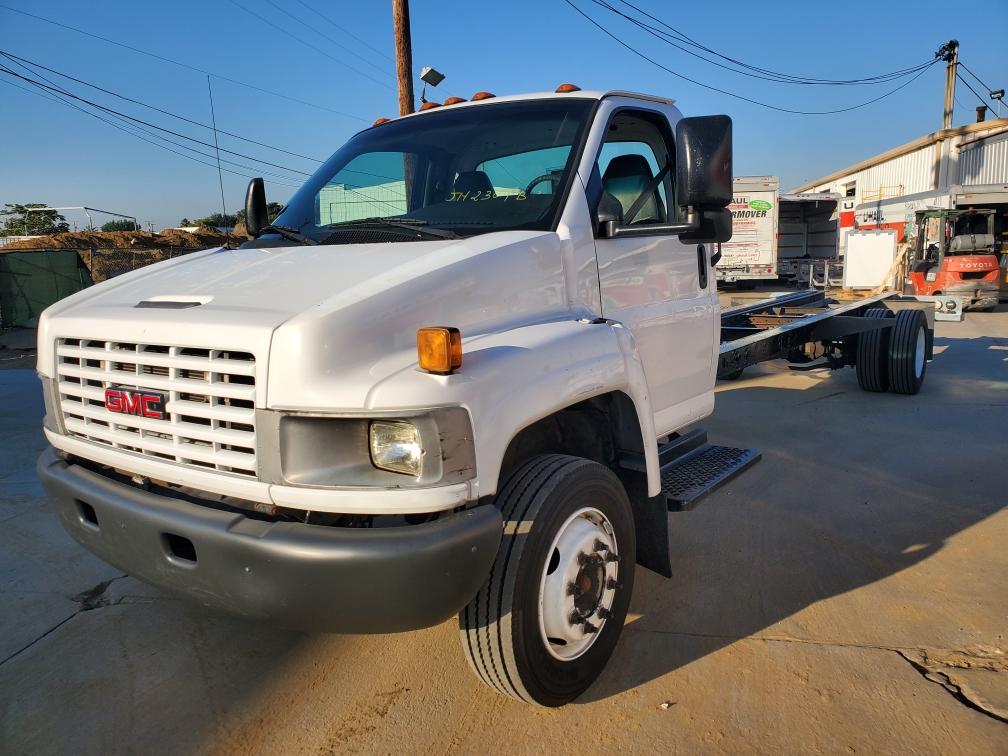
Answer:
(965, 166)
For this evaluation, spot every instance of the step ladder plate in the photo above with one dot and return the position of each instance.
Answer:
(689, 479)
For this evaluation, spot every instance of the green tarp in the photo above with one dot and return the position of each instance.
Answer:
(30, 281)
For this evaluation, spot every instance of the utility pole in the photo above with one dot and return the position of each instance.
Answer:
(404, 54)
(949, 52)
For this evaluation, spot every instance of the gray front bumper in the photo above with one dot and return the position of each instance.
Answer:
(310, 577)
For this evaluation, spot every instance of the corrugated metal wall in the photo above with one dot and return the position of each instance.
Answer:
(914, 171)
(984, 162)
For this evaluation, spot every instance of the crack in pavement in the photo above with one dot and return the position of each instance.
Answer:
(92, 598)
(924, 661)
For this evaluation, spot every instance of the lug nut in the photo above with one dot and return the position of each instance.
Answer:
(574, 618)
(603, 613)
(600, 546)
(611, 584)
(589, 627)
(573, 589)
(611, 557)
(583, 558)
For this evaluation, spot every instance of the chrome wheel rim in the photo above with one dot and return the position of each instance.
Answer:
(919, 353)
(578, 584)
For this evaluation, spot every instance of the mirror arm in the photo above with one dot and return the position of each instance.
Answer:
(692, 223)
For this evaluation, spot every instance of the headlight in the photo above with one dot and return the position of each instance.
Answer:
(395, 446)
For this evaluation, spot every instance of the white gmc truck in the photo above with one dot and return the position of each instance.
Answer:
(449, 379)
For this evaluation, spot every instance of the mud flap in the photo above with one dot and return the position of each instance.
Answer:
(651, 525)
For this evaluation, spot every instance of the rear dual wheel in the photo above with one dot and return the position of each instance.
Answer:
(546, 621)
(893, 358)
(908, 352)
(872, 362)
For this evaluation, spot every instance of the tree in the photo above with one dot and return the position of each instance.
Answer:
(38, 223)
(119, 225)
(216, 220)
(184, 223)
(273, 209)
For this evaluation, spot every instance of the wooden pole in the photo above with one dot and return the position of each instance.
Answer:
(952, 58)
(404, 54)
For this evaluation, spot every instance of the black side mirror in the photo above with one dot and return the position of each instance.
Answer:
(715, 226)
(609, 214)
(255, 208)
(704, 162)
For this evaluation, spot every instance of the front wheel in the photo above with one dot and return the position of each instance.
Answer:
(546, 621)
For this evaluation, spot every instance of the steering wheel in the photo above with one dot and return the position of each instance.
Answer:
(553, 178)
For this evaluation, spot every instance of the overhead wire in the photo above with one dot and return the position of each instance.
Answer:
(130, 128)
(638, 53)
(783, 77)
(126, 130)
(329, 38)
(979, 81)
(126, 98)
(343, 29)
(172, 61)
(113, 111)
(307, 44)
(982, 100)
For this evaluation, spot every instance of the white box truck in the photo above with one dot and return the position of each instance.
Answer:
(479, 404)
(751, 253)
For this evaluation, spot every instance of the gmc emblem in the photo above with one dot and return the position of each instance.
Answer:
(142, 403)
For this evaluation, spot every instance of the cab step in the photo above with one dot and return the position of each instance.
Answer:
(691, 468)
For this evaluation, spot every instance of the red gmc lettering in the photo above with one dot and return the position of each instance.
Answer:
(134, 403)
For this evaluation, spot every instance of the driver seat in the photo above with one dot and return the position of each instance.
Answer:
(626, 178)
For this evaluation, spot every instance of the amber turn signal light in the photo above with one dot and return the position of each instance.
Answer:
(439, 350)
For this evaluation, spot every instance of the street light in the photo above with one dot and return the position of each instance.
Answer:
(430, 76)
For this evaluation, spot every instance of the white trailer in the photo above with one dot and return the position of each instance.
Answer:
(751, 254)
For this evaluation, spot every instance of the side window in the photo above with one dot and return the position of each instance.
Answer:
(634, 153)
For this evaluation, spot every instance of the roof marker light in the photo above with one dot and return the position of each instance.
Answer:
(564, 88)
(454, 100)
(430, 105)
(380, 121)
(483, 96)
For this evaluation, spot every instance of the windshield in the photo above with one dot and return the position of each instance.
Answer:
(465, 170)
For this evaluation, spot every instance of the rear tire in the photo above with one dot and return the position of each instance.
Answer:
(908, 352)
(872, 362)
(550, 506)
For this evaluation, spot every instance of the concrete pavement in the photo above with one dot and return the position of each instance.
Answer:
(846, 594)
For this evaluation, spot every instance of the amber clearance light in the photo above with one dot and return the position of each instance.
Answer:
(439, 349)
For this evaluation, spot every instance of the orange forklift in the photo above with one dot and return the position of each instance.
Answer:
(954, 252)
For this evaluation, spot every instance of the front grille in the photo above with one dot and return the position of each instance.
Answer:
(209, 410)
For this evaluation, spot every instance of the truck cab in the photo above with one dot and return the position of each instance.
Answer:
(434, 385)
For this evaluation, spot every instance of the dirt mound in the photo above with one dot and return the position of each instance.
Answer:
(168, 239)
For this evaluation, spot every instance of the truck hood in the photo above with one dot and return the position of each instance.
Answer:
(361, 303)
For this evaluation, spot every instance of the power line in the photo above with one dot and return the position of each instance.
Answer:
(131, 129)
(738, 96)
(148, 123)
(147, 105)
(344, 30)
(963, 65)
(307, 44)
(180, 64)
(783, 77)
(327, 37)
(747, 70)
(131, 133)
(982, 100)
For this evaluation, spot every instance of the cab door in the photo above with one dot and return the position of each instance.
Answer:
(662, 289)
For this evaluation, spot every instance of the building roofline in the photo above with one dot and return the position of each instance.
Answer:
(903, 149)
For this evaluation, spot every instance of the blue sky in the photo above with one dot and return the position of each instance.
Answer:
(60, 156)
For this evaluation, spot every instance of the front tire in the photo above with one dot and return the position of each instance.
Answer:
(546, 621)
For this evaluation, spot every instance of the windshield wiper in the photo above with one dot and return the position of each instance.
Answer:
(288, 233)
(413, 224)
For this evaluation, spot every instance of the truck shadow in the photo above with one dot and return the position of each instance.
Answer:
(853, 489)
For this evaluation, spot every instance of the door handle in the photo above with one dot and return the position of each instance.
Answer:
(701, 255)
